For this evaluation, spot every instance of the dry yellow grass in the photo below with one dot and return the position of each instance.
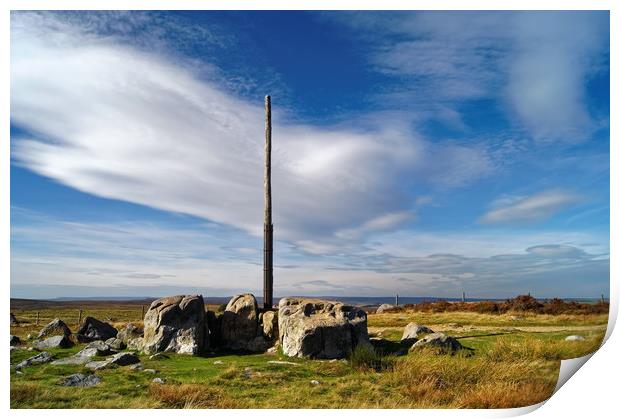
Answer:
(190, 396)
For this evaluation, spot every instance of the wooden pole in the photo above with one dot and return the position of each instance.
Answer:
(268, 232)
(463, 297)
(396, 300)
(142, 318)
(80, 317)
(603, 298)
(37, 322)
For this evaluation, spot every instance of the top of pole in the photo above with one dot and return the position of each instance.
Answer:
(267, 179)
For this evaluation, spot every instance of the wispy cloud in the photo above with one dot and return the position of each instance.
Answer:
(112, 120)
(532, 208)
(535, 63)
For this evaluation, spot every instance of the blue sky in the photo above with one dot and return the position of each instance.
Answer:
(419, 153)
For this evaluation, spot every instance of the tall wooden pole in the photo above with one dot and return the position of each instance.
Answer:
(268, 233)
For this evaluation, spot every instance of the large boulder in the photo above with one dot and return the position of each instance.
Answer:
(92, 329)
(413, 332)
(60, 341)
(320, 329)
(15, 340)
(176, 324)
(55, 327)
(240, 321)
(270, 325)
(439, 342)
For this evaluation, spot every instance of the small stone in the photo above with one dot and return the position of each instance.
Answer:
(574, 338)
(81, 380)
(159, 355)
(158, 380)
(314, 382)
(18, 372)
(40, 358)
(150, 371)
(116, 344)
(218, 362)
(137, 367)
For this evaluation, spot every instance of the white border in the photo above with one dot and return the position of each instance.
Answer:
(592, 394)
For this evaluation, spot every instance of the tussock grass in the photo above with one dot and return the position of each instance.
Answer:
(190, 396)
(366, 358)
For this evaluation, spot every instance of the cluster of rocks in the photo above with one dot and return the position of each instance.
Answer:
(180, 324)
(302, 327)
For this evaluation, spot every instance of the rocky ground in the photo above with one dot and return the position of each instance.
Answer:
(405, 359)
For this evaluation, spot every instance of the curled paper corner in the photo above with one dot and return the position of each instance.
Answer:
(568, 367)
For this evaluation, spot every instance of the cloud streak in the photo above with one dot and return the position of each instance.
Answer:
(534, 208)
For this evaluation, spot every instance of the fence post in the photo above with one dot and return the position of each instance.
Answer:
(142, 318)
(80, 317)
(463, 297)
(37, 321)
(396, 300)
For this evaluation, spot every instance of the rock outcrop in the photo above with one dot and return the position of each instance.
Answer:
(55, 327)
(15, 340)
(240, 321)
(92, 329)
(176, 324)
(320, 329)
(438, 341)
(413, 332)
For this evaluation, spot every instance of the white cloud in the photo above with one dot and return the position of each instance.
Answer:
(533, 208)
(115, 121)
(536, 63)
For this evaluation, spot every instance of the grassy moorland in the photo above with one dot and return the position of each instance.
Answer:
(515, 362)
